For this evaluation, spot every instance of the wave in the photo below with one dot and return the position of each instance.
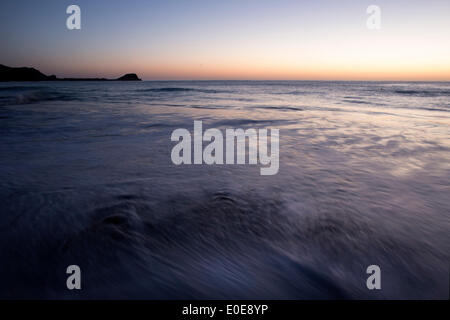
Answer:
(178, 248)
(279, 108)
(236, 123)
(298, 92)
(180, 89)
(217, 244)
(423, 93)
(357, 101)
(29, 97)
(16, 88)
(168, 89)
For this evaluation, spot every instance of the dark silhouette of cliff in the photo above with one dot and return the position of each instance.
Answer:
(129, 77)
(22, 74)
(31, 74)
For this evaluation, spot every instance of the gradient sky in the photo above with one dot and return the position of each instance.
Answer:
(230, 39)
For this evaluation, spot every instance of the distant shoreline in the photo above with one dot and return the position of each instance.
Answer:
(22, 74)
(10, 74)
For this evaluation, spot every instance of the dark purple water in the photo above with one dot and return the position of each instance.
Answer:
(86, 178)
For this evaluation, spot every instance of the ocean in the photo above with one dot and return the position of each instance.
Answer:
(86, 179)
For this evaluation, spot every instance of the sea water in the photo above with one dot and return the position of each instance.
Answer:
(86, 179)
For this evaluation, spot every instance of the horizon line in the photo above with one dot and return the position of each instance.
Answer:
(306, 80)
(255, 80)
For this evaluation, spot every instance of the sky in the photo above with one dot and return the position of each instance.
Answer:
(230, 39)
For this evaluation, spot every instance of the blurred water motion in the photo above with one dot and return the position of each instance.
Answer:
(86, 178)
